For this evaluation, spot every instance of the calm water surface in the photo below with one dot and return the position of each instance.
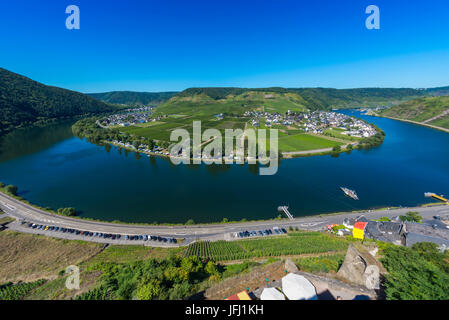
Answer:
(54, 169)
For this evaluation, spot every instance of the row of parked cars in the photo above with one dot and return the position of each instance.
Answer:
(143, 237)
(260, 233)
(147, 237)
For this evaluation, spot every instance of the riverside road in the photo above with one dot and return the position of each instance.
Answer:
(24, 212)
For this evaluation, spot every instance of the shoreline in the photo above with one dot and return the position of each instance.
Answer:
(414, 122)
(285, 155)
(216, 223)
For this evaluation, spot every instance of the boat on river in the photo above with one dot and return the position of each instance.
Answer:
(349, 193)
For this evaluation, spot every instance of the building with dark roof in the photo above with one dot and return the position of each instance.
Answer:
(417, 232)
(385, 231)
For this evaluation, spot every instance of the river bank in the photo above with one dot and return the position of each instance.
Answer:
(414, 122)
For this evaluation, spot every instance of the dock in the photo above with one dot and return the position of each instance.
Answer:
(285, 210)
(436, 197)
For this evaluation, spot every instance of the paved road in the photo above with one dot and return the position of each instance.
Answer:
(23, 211)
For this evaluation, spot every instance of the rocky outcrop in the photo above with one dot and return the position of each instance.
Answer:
(290, 266)
(361, 268)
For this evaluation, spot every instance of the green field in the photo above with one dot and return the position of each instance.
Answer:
(337, 133)
(303, 142)
(321, 264)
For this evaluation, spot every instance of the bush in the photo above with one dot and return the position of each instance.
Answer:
(18, 291)
(11, 190)
(412, 217)
(171, 278)
(70, 212)
(336, 149)
(417, 273)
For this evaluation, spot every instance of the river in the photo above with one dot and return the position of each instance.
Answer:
(52, 168)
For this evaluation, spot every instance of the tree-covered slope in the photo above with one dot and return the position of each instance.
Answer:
(132, 98)
(24, 101)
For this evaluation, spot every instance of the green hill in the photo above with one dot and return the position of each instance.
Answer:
(24, 101)
(132, 98)
(238, 100)
(440, 91)
(427, 110)
(208, 101)
(328, 98)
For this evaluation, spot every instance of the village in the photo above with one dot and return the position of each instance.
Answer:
(130, 117)
(314, 122)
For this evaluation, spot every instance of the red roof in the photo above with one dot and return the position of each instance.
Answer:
(360, 225)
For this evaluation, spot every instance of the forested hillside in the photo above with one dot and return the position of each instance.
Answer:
(132, 98)
(24, 101)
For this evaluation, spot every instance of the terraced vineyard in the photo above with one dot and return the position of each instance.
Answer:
(294, 244)
(219, 250)
(11, 291)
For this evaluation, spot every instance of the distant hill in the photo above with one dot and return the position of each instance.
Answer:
(329, 98)
(200, 100)
(132, 98)
(428, 110)
(24, 101)
(440, 91)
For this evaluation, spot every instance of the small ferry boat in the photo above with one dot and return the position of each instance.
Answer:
(350, 193)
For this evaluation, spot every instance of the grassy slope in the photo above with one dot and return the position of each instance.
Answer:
(30, 257)
(422, 109)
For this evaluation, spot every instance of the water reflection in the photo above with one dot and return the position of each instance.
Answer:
(34, 139)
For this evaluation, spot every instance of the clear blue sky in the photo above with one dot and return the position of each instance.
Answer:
(164, 45)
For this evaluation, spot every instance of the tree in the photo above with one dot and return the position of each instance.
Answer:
(336, 148)
(191, 264)
(11, 190)
(180, 291)
(211, 268)
(136, 144)
(67, 211)
(149, 290)
(150, 143)
(412, 216)
(412, 275)
(190, 222)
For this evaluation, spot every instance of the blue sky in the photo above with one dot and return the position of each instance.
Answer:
(165, 45)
